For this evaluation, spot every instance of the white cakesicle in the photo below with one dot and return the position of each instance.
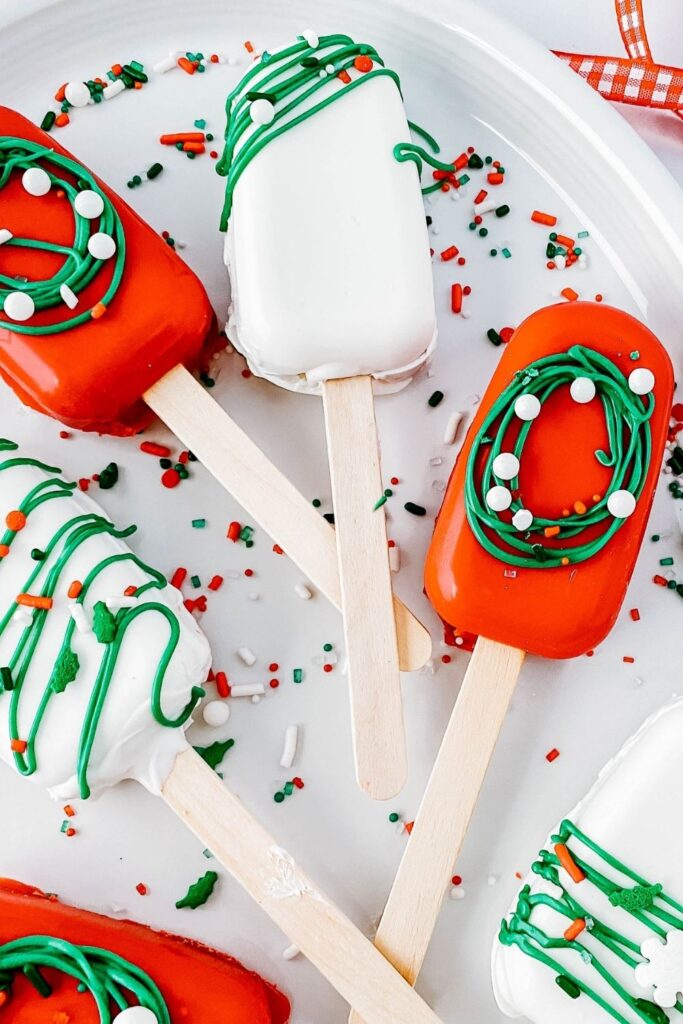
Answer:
(633, 813)
(129, 742)
(328, 252)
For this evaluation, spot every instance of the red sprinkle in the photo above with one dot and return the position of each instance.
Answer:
(216, 583)
(70, 831)
(456, 298)
(544, 218)
(552, 755)
(661, 581)
(170, 478)
(505, 334)
(162, 451)
(456, 880)
(141, 888)
(450, 253)
(273, 667)
(222, 684)
(628, 659)
(178, 578)
(249, 572)
(327, 668)
(277, 549)
(446, 659)
(274, 683)
(480, 197)
(635, 614)
(298, 782)
(394, 481)
(495, 178)
(234, 531)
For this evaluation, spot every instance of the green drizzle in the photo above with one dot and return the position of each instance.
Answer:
(289, 79)
(658, 913)
(79, 267)
(628, 455)
(44, 580)
(108, 978)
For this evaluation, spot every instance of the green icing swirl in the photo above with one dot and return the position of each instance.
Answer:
(645, 902)
(110, 980)
(289, 79)
(627, 418)
(79, 267)
(44, 581)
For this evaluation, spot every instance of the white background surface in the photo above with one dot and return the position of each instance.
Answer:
(585, 708)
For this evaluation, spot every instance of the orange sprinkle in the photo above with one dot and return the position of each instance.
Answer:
(34, 601)
(409, 826)
(538, 217)
(61, 120)
(69, 811)
(551, 531)
(61, 93)
(565, 512)
(98, 311)
(575, 929)
(15, 521)
(194, 147)
(568, 863)
(565, 561)
(4, 550)
(597, 498)
(628, 659)
(186, 65)
(70, 832)
(117, 69)
(566, 241)
(18, 746)
(136, 85)
(130, 591)
(344, 76)
(363, 63)
(172, 138)
(579, 508)
(74, 589)
(249, 46)
(569, 294)
(4, 997)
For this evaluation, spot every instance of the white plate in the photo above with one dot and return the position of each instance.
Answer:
(470, 79)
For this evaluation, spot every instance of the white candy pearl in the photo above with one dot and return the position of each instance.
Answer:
(522, 519)
(621, 504)
(136, 1015)
(527, 407)
(582, 390)
(89, 204)
(506, 466)
(216, 712)
(78, 94)
(101, 246)
(36, 181)
(262, 111)
(19, 306)
(498, 499)
(641, 381)
(311, 37)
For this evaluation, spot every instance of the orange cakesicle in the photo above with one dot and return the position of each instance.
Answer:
(91, 375)
(563, 610)
(533, 549)
(198, 985)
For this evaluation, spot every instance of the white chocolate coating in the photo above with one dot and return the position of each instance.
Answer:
(631, 811)
(328, 252)
(129, 742)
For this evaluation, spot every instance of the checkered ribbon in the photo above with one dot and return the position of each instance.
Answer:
(636, 79)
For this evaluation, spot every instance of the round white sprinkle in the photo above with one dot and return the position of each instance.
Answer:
(78, 94)
(641, 381)
(522, 519)
(498, 499)
(136, 1015)
(216, 712)
(506, 466)
(89, 204)
(330, 68)
(457, 893)
(262, 111)
(311, 37)
(527, 407)
(621, 504)
(101, 246)
(19, 306)
(36, 181)
(582, 390)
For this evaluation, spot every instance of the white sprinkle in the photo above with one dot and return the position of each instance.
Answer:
(89, 204)
(261, 111)
(166, 64)
(77, 612)
(68, 297)
(5, 235)
(77, 93)
(23, 616)
(246, 655)
(641, 381)
(436, 461)
(560, 261)
(291, 952)
(19, 306)
(216, 712)
(395, 558)
(114, 604)
(457, 893)
(311, 37)
(452, 428)
(110, 91)
(247, 690)
(492, 879)
(304, 592)
(36, 181)
(101, 246)
(289, 747)
(487, 206)
(256, 699)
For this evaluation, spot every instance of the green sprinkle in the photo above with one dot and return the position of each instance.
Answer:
(328, 647)
(435, 399)
(393, 817)
(666, 561)
(583, 234)
(380, 501)
(190, 155)
(415, 510)
(39, 983)
(199, 892)
(199, 524)
(200, 123)
(195, 581)
(463, 179)
(483, 232)
(475, 162)
(472, 226)
(655, 537)
(48, 121)
(634, 355)
(568, 986)
(316, 503)
(502, 211)
(279, 797)
(37, 555)
(109, 476)
(209, 137)
(553, 236)
(577, 250)
(506, 253)
(154, 171)
(550, 250)
(493, 252)
(493, 336)
(488, 160)
(182, 472)
(165, 463)
(298, 675)
(6, 679)
(289, 788)
(65, 670)
(207, 853)
(246, 532)
(388, 492)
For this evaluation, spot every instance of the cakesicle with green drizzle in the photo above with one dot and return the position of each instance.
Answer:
(596, 932)
(329, 263)
(101, 669)
(533, 549)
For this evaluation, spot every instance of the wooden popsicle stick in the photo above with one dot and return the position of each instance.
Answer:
(441, 824)
(324, 935)
(267, 495)
(379, 743)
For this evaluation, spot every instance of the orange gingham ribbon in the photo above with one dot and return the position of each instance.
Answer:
(634, 79)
